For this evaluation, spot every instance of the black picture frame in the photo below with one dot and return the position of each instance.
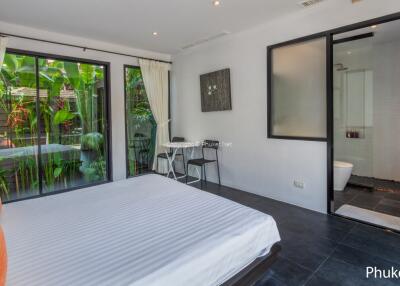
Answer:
(216, 91)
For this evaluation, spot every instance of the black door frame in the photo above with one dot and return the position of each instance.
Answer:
(329, 91)
(107, 112)
(330, 144)
(125, 67)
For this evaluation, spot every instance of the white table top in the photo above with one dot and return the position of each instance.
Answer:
(178, 145)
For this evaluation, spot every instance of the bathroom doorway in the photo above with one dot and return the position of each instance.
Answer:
(366, 124)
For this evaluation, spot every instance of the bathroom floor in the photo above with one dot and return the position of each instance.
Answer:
(372, 194)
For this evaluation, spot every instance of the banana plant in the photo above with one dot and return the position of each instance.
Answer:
(19, 72)
(3, 180)
(83, 79)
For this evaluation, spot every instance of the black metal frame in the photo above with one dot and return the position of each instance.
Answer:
(126, 127)
(181, 154)
(126, 66)
(354, 38)
(80, 47)
(269, 86)
(329, 67)
(107, 112)
(330, 146)
(207, 144)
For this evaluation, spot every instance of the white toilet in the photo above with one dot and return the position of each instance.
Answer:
(341, 174)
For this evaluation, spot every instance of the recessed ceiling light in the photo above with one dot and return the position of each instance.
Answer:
(155, 34)
(349, 52)
(374, 26)
(216, 3)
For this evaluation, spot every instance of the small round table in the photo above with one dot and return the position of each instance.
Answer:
(175, 146)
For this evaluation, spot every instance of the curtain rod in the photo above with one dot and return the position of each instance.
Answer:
(81, 47)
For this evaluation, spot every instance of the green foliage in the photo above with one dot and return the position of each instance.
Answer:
(58, 118)
(3, 180)
(95, 170)
(140, 117)
(92, 141)
(27, 72)
(62, 116)
(72, 73)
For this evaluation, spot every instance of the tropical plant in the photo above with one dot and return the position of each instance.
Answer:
(92, 141)
(140, 117)
(3, 180)
(95, 170)
(61, 118)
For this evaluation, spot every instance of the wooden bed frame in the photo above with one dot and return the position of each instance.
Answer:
(255, 271)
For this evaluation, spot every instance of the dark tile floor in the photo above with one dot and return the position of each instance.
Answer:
(377, 195)
(318, 249)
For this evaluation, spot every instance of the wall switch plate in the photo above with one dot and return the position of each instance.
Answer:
(298, 184)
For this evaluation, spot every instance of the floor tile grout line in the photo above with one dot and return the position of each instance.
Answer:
(367, 253)
(347, 231)
(297, 264)
(322, 263)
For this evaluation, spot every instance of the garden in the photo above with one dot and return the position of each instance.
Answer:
(141, 126)
(52, 125)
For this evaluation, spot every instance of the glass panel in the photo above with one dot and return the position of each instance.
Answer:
(367, 123)
(299, 90)
(73, 137)
(141, 126)
(18, 128)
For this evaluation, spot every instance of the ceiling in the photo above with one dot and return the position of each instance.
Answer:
(179, 23)
(386, 32)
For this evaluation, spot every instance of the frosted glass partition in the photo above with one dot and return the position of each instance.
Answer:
(298, 90)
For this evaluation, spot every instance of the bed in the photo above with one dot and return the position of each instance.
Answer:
(148, 230)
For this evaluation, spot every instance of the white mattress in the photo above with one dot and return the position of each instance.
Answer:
(148, 230)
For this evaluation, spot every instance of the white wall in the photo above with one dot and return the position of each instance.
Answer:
(358, 151)
(378, 153)
(254, 163)
(116, 74)
(386, 142)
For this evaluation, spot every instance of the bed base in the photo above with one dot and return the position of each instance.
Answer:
(255, 271)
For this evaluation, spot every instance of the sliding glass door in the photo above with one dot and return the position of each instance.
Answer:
(141, 127)
(19, 161)
(366, 120)
(53, 125)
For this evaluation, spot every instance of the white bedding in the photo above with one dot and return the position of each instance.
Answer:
(148, 230)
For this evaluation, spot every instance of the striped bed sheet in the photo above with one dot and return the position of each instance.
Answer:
(148, 230)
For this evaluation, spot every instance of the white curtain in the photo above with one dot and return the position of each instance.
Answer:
(155, 78)
(3, 44)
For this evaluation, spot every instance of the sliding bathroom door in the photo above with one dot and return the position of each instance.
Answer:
(366, 124)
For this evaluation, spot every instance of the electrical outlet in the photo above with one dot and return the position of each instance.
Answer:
(298, 184)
